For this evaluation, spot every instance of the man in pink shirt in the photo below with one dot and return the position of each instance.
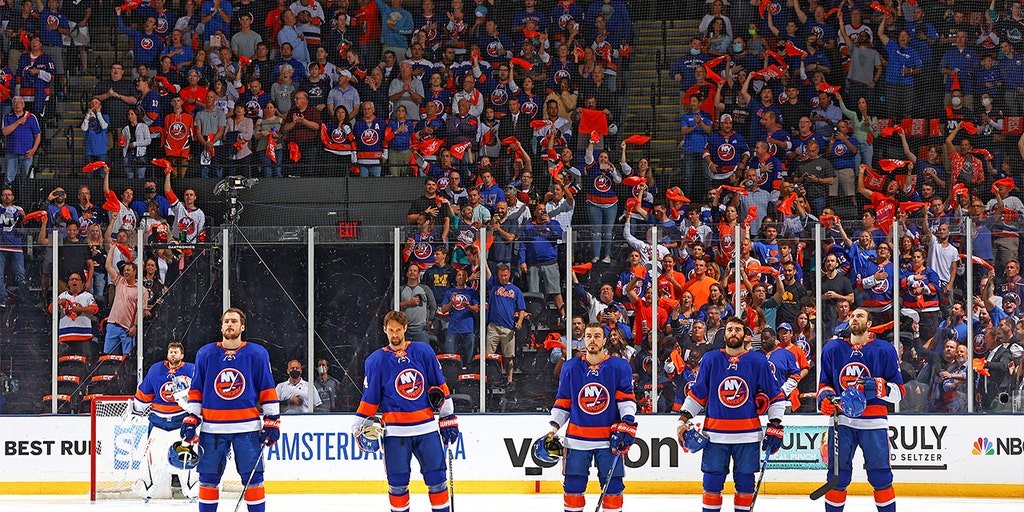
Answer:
(121, 323)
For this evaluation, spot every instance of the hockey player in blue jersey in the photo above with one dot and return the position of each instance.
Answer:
(595, 402)
(872, 367)
(157, 394)
(399, 381)
(728, 380)
(785, 368)
(231, 387)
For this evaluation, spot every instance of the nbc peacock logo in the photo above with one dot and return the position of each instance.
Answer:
(982, 446)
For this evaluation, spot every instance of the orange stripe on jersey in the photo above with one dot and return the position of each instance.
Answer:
(712, 499)
(875, 411)
(144, 397)
(563, 403)
(612, 502)
(400, 502)
(885, 496)
(233, 415)
(737, 425)
(574, 501)
(742, 500)
(836, 497)
(407, 418)
(620, 396)
(575, 430)
(366, 409)
(268, 396)
(195, 395)
(255, 494)
(446, 389)
(438, 499)
(208, 494)
(166, 408)
(703, 402)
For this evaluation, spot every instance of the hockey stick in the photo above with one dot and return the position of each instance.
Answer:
(760, 478)
(834, 479)
(451, 479)
(252, 473)
(607, 480)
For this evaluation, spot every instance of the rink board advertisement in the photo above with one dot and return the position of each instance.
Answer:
(980, 455)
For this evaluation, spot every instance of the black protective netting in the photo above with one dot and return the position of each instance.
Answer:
(691, 117)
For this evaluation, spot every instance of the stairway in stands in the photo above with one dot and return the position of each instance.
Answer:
(63, 154)
(658, 44)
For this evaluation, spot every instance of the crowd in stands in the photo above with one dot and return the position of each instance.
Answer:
(888, 124)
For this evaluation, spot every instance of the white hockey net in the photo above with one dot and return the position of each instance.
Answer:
(119, 442)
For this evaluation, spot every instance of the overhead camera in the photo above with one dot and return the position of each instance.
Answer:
(234, 183)
(231, 185)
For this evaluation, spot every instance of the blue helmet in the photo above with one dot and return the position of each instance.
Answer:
(184, 456)
(854, 402)
(548, 449)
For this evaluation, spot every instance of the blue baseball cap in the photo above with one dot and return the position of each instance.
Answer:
(786, 326)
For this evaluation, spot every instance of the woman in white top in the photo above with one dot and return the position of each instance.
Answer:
(133, 141)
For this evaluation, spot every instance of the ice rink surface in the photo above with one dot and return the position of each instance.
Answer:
(506, 503)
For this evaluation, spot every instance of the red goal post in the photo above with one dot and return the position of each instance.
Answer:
(118, 444)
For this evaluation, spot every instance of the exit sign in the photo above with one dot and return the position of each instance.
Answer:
(348, 229)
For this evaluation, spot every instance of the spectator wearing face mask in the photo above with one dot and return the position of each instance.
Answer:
(327, 387)
(294, 393)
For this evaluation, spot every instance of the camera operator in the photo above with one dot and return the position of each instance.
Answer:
(505, 231)
(816, 175)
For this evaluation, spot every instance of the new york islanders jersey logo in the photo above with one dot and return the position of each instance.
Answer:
(851, 373)
(602, 183)
(178, 131)
(460, 301)
(733, 392)
(146, 43)
(186, 225)
(593, 398)
(167, 392)
(410, 384)
(495, 49)
(161, 25)
(530, 109)
(229, 384)
(499, 96)
(369, 137)
(423, 250)
(726, 152)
